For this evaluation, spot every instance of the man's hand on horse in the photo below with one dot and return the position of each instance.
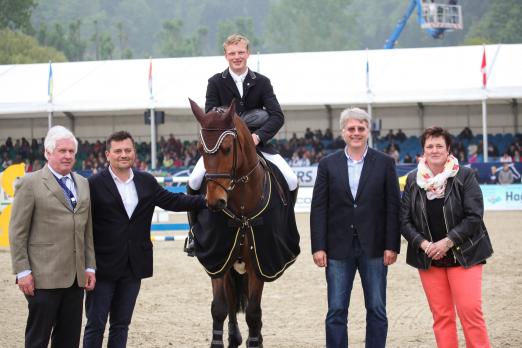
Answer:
(256, 138)
(320, 258)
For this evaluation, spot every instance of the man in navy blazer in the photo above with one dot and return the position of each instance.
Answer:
(354, 226)
(123, 201)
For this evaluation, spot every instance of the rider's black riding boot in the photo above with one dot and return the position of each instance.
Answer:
(293, 194)
(192, 219)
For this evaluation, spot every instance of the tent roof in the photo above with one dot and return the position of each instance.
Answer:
(301, 80)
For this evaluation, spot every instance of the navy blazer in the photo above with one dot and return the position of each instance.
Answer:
(257, 94)
(120, 241)
(373, 213)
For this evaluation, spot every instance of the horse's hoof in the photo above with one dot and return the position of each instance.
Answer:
(254, 342)
(234, 337)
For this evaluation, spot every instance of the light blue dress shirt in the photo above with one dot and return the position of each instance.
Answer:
(354, 171)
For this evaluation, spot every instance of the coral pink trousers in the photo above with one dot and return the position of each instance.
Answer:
(457, 288)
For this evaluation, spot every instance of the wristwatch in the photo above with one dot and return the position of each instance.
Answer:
(449, 243)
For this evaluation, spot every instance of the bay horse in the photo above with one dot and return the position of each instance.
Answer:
(242, 203)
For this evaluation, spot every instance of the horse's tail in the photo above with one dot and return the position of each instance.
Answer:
(240, 288)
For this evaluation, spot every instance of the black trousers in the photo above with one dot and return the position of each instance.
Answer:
(55, 314)
(114, 298)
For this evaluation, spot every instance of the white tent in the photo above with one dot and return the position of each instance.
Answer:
(302, 80)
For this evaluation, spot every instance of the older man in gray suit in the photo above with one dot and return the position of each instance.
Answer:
(52, 252)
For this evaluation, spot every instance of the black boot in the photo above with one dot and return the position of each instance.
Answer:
(192, 219)
(293, 194)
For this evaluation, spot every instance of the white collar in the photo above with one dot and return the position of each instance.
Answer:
(236, 77)
(58, 175)
(115, 177)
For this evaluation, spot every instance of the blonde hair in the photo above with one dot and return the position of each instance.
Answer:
(234, 39)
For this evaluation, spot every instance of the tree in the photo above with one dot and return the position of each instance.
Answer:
(501, 23)
(301, 25)
(106, 47)
(238, 25)
(18, 48)
(16, 14)
(175, 44)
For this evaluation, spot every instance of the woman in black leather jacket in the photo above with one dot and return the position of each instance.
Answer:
(441, 218)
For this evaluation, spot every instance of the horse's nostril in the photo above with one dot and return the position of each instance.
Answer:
(221, 204)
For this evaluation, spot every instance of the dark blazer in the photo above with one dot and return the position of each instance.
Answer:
(257, 94)
(120, 241)
(463, 211)
(373, 213)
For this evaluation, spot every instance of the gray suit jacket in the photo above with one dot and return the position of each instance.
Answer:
(46, 235)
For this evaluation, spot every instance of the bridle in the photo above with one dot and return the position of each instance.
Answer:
(232, 176)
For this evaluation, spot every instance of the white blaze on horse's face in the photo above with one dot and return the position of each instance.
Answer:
(217, 149)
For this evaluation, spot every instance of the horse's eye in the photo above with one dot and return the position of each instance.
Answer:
(226, 150)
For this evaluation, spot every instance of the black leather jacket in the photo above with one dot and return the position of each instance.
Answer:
(463, 211)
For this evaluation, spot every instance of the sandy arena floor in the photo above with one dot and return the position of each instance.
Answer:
(173, 308)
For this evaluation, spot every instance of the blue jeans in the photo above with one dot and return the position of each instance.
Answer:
(339, 276)
(116, 297)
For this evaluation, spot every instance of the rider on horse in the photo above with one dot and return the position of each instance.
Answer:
(250, 91)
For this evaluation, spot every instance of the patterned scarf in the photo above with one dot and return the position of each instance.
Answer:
(435, 185)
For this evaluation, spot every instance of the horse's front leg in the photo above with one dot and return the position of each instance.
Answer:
(253, 311)
(234, 294)
(219, 312)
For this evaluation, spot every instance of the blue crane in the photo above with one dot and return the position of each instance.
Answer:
(434, 17)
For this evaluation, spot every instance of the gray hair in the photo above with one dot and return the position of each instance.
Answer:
(58, 133)
(356, 114)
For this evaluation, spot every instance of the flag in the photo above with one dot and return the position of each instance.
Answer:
(483, 69)
(150, 77)
(367, 72)
(50, 82)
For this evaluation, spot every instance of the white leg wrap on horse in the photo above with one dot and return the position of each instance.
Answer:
(284, 167)
(197, 175)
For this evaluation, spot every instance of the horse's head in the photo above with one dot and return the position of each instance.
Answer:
(220, 145)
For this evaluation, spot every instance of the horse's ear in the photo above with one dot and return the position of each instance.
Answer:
(232, 107)
(197, 111)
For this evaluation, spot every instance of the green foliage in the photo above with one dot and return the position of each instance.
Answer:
(501, 23)
(18, 48)
(104, 29)
(69, 42)
(16, 14)
(175, 44)
(301, 25)
(238, 25)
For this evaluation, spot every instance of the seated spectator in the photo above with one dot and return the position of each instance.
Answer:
(390, 136)
(308, 134)
(516, 156)
(394, 153)
(505, 176)
(168, 162)
(492, 150)
(493, 176)
(465, 134)
(407, 159)
(328, 135)
(506, 158)
(400, 136)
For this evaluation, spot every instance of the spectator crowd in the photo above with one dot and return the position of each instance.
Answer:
(174, 154)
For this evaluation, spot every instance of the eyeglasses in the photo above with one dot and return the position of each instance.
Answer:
(359, 129)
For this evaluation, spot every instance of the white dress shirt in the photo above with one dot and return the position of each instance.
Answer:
(238, 79)
(127, 190)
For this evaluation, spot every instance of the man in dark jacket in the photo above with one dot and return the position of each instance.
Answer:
(354, 226)
(250, 90)
(123, 201)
